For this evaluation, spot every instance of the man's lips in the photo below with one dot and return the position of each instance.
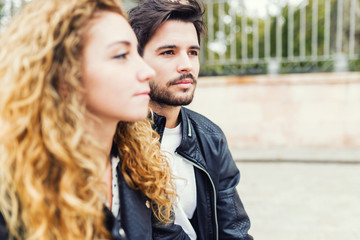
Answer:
(184, 81)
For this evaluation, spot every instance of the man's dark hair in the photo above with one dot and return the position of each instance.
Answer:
(149, 15)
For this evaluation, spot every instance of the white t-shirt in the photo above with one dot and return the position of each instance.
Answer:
(184, 180)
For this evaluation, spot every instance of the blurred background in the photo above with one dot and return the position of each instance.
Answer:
(282, 79)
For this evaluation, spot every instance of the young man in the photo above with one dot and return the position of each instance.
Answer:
(209, 207)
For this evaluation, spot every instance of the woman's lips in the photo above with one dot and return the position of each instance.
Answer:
(145, 93)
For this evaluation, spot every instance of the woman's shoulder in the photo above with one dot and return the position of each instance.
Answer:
(4, 233)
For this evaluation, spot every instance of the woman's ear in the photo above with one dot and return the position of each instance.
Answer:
(63, 88)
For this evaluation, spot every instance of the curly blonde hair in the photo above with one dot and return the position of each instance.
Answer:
(51, 168)
(137, 143)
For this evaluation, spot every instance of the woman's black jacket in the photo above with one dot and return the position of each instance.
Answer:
(136, 219)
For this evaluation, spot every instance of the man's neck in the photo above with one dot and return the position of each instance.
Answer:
(170, 112)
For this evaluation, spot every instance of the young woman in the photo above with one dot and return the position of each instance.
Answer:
(71, 85)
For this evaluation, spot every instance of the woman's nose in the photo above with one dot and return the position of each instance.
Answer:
(146, 72)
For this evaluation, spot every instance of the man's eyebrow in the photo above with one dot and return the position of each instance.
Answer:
(174, 47)
(195, 47)
(166, 47)
(127, 43)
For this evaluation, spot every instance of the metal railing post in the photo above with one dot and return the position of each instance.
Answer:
(353, 7)
(327, 29)
(290, 31)
(303, 31)
(256, 38)
(243, 35)
(314, 30)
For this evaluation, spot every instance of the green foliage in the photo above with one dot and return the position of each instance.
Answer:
(245, 66)
(1, 12)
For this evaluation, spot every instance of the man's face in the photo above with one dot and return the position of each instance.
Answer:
(173, 53)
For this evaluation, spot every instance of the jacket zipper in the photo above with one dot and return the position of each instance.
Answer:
(214, 191)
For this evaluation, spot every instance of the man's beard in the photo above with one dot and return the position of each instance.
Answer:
(162, 95)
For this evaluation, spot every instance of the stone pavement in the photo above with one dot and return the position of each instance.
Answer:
(301, 201)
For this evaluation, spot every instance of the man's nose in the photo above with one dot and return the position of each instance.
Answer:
(184, 64)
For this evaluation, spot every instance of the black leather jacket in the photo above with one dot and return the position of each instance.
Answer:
(136, 219)
(219, 215)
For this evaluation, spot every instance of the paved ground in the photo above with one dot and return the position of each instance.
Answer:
(301, 201)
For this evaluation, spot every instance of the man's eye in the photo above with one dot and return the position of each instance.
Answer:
(121, 56)
(193, 53)
(170, 52)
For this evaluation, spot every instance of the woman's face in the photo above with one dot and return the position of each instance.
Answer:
(115, 77)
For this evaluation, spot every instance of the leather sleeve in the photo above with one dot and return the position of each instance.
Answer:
(4, 234)
(170, 231)
(233, 221)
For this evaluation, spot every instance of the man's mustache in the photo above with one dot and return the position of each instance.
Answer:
(182, 77)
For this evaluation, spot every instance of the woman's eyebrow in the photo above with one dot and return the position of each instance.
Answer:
(127, 43)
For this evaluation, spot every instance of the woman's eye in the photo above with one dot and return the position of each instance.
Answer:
(121, 56)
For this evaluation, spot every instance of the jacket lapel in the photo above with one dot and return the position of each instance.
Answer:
(135, 215)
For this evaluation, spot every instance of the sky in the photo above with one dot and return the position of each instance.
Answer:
(260, 6)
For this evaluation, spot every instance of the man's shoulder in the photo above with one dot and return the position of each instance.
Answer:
(202, 123)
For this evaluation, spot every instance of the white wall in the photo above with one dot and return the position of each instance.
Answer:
(286, 117)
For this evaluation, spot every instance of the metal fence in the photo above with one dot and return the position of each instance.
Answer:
(314, 35)
(307, 36)
(311, 35)
(7, 9)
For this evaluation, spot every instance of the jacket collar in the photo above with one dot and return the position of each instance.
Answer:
(189, 146)
(188, 139)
